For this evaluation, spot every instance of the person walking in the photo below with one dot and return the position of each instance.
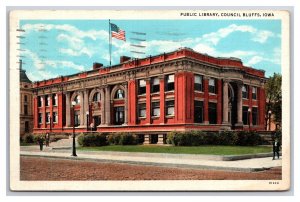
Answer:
(47, 139)
(41, 142)
(276, 148)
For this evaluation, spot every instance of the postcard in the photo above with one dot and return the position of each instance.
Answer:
(149, 100)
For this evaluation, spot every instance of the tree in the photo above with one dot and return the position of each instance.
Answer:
(274, 98)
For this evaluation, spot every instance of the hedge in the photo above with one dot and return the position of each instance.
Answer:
(92, 139)
(196, 138)
(122, 139)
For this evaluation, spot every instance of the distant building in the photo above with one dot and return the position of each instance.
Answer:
(180, 90)
(26, 103)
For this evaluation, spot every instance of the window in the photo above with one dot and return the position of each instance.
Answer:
(25, 98)
(212, 86)
(170, 82)
(26, 126)
(47, 98)
(254, 116)
(40, 118)
(119, 94)
(142, 110)
(25, 109)
(245, 115)
(40, 101)
(77, 118)
(198, 83)
(47, 117)
(142, 87)
(54, 100)
(170, 108)
(119, 115)
(198, 111)
(254, 93)
(212, 111)
(245, 91)
(54, 117)
(96, 97)
(155, 85)
(155, 109)
(77, 99)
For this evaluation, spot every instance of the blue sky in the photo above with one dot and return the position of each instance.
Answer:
(53, 48)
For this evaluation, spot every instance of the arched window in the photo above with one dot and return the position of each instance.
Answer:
(96, 97)
(77, 99)
(119, 94)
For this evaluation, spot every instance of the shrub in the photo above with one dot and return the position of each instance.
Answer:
(246, 138)
(227, 138)
(39, 137)
(122, 139)
(92, 139)
(190, 138)
(114, 138)
(29, 138)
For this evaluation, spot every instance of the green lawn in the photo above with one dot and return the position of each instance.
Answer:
(213, 150)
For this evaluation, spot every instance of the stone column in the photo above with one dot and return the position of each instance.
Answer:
(160, 139)
(239, 105)
(68, 110)
(86, 104)
(82, 112)
(126, 105)
(102, 107)
(225, 102)
(107, 106)
(146, 139)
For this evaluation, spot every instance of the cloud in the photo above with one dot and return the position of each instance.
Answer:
(262, 36)
(254, 60)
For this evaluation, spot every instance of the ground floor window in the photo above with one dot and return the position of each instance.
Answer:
(26, 126)
(254, 116)
(142, 110)
(40, 118)
(119, 115)
(170, 110)
(153, 139)
(198, 111)
(96, 122)
(54, 117)
(155, 109)
(245, 116)
(212, 112)
(47, 117)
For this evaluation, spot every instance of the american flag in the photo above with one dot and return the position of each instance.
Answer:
(116, 32)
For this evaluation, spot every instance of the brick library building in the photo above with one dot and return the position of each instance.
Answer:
(177, 91)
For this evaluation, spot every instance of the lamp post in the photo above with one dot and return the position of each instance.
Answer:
(73, 145)
(269, 113)
(249, 111)
(50, 124)
(87, 120)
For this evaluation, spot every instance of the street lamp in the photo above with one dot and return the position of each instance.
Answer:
(73, 145)
(249, 111)
(87, 120)
(50, 124)
(269, 113)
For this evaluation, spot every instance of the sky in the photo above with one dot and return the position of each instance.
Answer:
(52, 48)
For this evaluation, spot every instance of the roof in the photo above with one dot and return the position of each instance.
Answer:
(23, 76)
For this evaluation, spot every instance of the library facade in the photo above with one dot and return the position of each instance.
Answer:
(177, 91)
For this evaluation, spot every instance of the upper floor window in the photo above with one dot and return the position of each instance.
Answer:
(54, 117)
(77, 99)
(25, 98)
(119, 94)
(47, 98)
(155, 109)
(170, 109)
(142, 110)
(25, 109)
(47, 117)
(254, 93)
(142, 87)
(40, 118)
(155, 85)
(212, 85)
(254, 116)
(198, 83)
(40, 101)
(245, 91)
(170, 82)
(54, 100)
(96, 97)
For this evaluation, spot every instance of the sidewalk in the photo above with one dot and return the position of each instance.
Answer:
(213, 162)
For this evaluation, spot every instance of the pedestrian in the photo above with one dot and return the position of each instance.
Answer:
(47, 139)
(276, 148)
(41, 142)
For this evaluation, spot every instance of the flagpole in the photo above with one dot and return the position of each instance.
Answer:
(109, 35)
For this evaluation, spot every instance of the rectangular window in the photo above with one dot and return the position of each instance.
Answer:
(198, 83)
(40, 118)
(25, 109)
(245, 115)
(54, 117)
(254, 116)
(26, 126)
(47, 98)
(170, 109)
(212, 86)
(170, 82)
(77, 118)
(25, 98)
(254, 93)
(54, 100)
(142, 87)
(245, 91)
(155, 109)
(40, 101)
(212, 111)
(155, 85)
(47, 117)
(198, 111)
(142, 110)
(119, 115)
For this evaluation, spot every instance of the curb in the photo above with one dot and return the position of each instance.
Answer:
(171, 165)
